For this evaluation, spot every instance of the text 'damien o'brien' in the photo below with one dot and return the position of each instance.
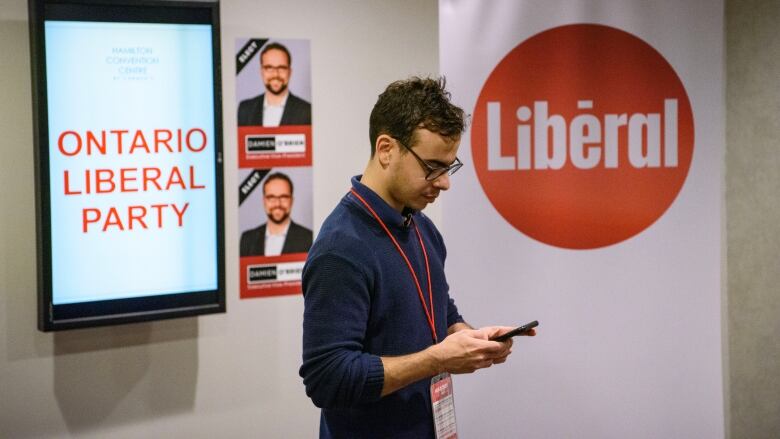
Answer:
(275, 143)
(267, 274)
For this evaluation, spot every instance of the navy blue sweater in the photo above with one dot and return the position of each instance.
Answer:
(361, 303)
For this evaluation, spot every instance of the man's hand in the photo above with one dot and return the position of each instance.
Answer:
(497, 331)
(463, 351)
(467, 350)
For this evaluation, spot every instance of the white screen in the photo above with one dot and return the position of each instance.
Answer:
(132, 89)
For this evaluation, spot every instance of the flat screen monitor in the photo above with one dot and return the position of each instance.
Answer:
(128, 147)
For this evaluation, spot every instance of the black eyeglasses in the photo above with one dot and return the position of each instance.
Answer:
(434, 171)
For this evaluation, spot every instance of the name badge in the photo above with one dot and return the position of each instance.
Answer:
(443, 402)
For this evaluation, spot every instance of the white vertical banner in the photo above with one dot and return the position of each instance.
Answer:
(590, 201)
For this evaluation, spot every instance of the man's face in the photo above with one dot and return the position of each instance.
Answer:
(275, 68)
(277, 199)
(408, 185)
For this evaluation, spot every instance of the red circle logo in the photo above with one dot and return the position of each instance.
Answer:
(582, 136)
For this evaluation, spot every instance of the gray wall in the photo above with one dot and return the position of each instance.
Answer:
(229, 375)
(753, 216)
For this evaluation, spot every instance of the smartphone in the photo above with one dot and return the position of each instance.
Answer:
(517, 331)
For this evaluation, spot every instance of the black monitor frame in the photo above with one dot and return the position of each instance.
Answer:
(53, 317)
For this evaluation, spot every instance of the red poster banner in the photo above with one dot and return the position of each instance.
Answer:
(263, 276)
(270, 147)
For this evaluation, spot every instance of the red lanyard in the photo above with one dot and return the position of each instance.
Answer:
(428, 313)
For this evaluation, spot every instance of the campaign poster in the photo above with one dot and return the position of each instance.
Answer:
(273, 109)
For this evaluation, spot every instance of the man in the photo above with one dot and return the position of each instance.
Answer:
(378, 321)
(277, 106)
(280, 235)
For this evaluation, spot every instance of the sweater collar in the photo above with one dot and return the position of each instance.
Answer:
(386, 213)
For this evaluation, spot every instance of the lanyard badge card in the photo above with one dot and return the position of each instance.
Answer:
(443, 402)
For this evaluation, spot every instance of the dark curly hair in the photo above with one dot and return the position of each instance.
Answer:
(415, 103)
